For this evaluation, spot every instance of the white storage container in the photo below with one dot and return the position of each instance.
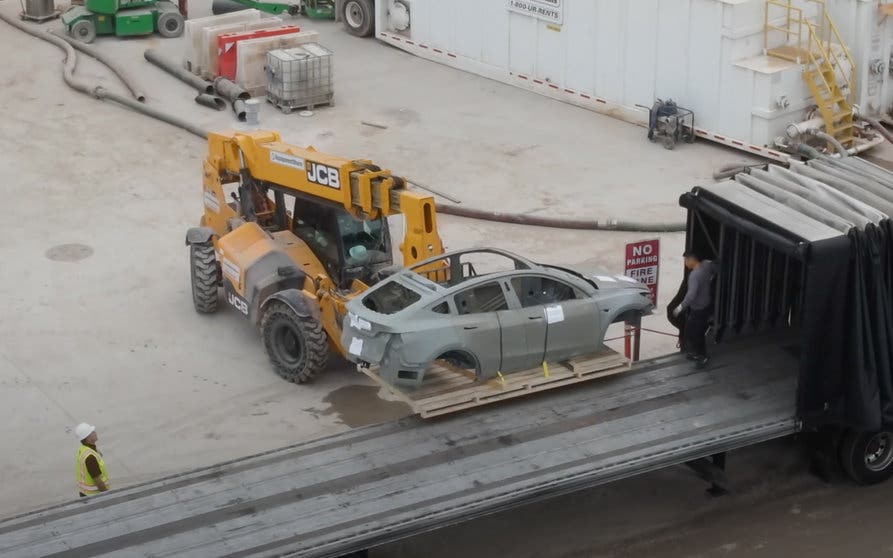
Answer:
(300, 77)
(251, 57)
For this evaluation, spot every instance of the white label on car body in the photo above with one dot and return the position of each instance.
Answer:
(606, 278)
(356, 346)
(286, 160)
(554, 314)
(231, 270)
(211, 201)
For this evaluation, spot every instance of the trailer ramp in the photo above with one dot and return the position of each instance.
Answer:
(381, 483)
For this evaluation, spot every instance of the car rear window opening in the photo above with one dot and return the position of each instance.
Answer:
(390, 298)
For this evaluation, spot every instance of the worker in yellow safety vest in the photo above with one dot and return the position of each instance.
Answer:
(91, 474)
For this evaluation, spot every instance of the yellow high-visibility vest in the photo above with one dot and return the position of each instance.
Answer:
(86, 482)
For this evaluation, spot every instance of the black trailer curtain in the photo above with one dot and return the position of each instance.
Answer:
(844, 291)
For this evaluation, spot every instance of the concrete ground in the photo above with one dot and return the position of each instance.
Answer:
(98, 324)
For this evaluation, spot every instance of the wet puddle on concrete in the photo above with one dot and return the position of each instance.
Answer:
(69, 252)
(357, 405)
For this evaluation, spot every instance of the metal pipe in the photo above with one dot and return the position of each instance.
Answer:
(116, 68)
(228, 89)
(210, 101)
(175, 70)
(795, 129)
(240, 109)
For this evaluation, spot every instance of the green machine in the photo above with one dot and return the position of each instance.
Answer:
(123, 18)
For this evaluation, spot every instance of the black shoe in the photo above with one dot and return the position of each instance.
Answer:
(690, 356)
(701, 362)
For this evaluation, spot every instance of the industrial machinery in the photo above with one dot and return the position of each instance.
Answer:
(123, 18)
(313, 9)
(304, 233)
(670, 123)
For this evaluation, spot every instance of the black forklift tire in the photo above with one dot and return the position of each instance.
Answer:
(83, 30)
(867, 457)
(205, 274)
(359, 17)
(171, 24)
(296, 345)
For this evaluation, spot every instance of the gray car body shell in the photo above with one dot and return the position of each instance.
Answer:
(405, 343)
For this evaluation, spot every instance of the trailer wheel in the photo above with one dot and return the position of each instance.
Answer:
(295, 344)
(170, 25)
(867, 457)
(83, 30)
(359, 17)
(205, 274)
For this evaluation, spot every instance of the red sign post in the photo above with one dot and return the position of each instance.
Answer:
(642, 263)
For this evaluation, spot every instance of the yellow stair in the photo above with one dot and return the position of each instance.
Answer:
(828, 68)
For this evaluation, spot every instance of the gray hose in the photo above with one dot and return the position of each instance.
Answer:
(556, 223)
(515, 218)
(833, 141)
(808, 151)
(881, 129)
(731, 169)
(108, 62)
(226, 6)
(175, 70)
(98, 91)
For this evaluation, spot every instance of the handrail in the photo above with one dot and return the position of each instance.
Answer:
(820, 36)
(851, 78)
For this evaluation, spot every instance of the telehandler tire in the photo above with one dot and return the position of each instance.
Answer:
(295, 344)
(205, 273)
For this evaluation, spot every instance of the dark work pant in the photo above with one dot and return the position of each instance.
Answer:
(696, 324)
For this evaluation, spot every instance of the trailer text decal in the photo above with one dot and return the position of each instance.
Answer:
(547, 10)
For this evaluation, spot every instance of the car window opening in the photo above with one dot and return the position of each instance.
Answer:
(391, 298)
(483, 298)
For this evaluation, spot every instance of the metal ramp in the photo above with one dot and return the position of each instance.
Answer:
(378, 484)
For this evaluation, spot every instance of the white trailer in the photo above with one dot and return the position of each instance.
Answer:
(714, 57)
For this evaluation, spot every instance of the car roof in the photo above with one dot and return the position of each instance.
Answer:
(498, 251)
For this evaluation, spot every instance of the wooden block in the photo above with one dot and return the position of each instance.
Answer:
(448, 389)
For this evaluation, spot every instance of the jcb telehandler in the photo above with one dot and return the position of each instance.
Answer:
(302, 233)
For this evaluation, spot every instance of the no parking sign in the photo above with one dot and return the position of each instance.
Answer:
(643, 263)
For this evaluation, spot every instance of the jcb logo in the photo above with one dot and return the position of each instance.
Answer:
(238, 303)
(323, 175)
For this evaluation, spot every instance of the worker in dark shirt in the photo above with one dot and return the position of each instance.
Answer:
(697, 305)
(92, 477)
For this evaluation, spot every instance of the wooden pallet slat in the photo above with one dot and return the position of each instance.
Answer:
(448, 389)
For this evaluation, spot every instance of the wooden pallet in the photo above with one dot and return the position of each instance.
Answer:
(448, 389)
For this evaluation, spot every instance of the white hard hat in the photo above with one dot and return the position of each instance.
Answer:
(83, 430)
